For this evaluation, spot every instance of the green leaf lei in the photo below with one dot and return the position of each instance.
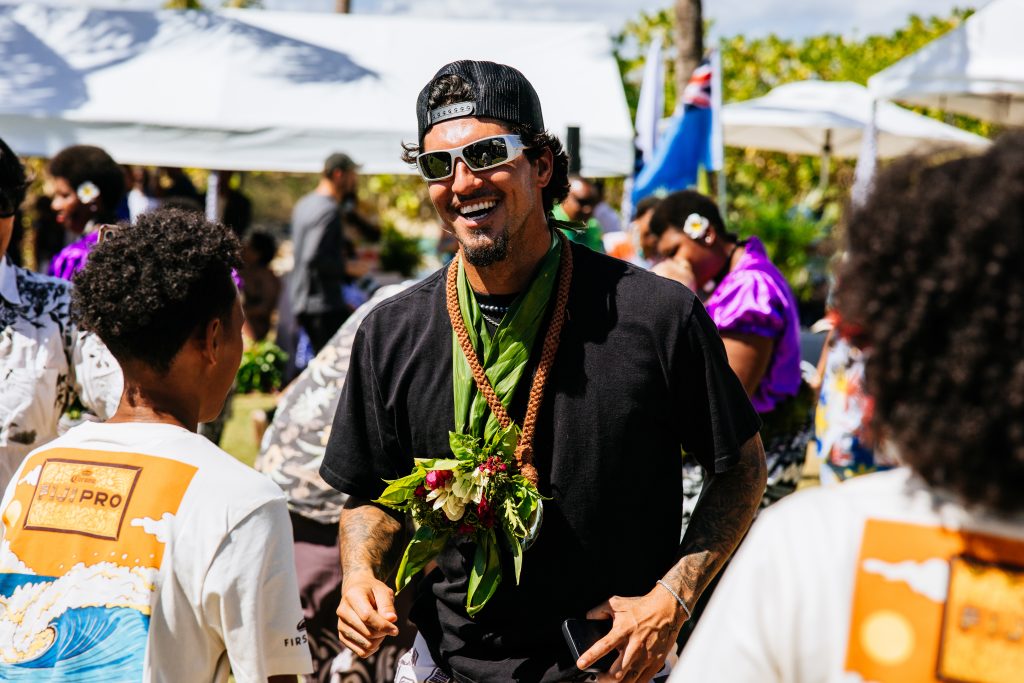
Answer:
(479, 494)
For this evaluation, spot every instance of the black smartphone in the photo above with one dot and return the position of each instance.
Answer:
(581, 634)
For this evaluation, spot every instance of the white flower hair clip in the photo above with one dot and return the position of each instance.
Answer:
(87, 192)
(696, 226)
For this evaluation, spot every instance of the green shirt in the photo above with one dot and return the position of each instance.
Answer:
(592, 237)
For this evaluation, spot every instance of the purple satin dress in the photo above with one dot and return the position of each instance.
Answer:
(754, 298)
(71, 258)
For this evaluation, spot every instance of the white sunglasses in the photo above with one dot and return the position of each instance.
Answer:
(478, 155)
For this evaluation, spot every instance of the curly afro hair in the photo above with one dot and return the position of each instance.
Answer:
(150, 286)
(80, 163)
(933, 287)
(452, 88)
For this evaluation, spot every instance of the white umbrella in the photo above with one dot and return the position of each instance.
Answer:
(976, 69)
(830, 118)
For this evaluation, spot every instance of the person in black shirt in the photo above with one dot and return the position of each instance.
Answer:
(640, 375)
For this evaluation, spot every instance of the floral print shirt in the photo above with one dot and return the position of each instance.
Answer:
(45, 363)
(294, 444)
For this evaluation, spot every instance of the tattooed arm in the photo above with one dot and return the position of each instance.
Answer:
(369, 540)
(648, 632)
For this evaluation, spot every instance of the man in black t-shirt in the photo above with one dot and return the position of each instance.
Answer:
(640, 375)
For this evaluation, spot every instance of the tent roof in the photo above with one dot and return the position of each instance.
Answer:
(977, 69)
(799, 117)
(250, 89)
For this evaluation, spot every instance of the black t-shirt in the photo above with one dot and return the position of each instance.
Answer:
(640, 374)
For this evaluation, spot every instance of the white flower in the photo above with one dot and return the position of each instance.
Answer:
(445, 499)
(87, 192)
(696, 226)
(467, 487)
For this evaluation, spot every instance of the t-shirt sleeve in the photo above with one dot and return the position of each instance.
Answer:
(97, 376)
(717, 417)
(251, 597)
(357, 458)
(749, 304)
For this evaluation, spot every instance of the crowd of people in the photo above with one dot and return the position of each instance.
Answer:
(651, 396)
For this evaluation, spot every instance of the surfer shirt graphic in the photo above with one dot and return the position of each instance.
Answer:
(84, 536)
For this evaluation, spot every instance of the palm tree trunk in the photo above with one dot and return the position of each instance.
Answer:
(689, 41)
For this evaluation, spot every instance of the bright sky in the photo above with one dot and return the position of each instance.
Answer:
(788, 18)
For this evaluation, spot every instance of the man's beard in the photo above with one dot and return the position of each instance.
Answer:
(489, 253)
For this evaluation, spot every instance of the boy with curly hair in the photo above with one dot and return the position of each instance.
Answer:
(130, 543)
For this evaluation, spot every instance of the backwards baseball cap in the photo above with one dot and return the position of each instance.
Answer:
(339, 161)
(499, 92)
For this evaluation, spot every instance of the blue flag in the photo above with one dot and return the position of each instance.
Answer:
(685, 145)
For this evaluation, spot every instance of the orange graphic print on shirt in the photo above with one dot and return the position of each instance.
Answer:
(932, 604)
(83, 541)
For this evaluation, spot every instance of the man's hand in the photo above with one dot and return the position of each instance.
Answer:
(644, 630)
(366, 615)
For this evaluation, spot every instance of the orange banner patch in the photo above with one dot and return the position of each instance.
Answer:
(78, 497)
(983, 626)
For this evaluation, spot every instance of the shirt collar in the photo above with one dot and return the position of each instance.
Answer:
(9, 282)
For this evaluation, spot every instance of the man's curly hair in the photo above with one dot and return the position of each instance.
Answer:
(150, 286)
(933, 287)
(453, 88)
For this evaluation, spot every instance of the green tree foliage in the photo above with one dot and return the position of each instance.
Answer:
(772, 194)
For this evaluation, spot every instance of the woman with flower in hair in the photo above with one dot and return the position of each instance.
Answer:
(87, 188)
(756, 314)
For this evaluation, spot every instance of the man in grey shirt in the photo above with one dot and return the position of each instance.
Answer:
(315, 284)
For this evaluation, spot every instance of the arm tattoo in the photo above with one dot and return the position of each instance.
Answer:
(719, 522)
(369, 539)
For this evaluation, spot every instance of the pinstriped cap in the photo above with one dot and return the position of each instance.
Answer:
(500, 92)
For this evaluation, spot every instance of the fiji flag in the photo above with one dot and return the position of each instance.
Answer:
(692, 139)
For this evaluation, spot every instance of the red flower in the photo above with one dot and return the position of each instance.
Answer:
(421, 491)
(435, 479)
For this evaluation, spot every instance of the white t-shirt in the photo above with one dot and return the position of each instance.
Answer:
(137, 551)
(878, 579)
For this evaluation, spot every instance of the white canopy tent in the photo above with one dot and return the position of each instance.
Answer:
(830, 118)
(255, 90)
(977, 69)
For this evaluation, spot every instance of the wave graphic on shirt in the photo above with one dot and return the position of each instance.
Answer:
(91, 624)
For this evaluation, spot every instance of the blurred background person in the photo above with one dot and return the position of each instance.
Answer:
(141, 197)
(260, 286)
(578, 207)
(45, 363)
(291, 452)
(319, 273)
(756, 314)
(912, 574)
(234, 208)
(87, 189)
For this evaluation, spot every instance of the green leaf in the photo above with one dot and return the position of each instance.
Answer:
(425, 545)
(462, 445)
(399, 491)
(485, 575)
(449, 464)
(516, 548)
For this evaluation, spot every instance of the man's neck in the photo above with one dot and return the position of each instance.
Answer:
(144, 400)
(514, 273)
(328, 189)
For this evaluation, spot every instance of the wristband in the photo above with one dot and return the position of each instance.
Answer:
(676, 596)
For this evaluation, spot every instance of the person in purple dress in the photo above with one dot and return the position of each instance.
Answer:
(756, 314)
(87, 189)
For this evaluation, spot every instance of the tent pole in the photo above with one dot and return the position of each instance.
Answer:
(212, 191)
(826, 161)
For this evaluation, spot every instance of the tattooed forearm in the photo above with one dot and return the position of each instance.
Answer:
(719, 522)
(369, 539)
